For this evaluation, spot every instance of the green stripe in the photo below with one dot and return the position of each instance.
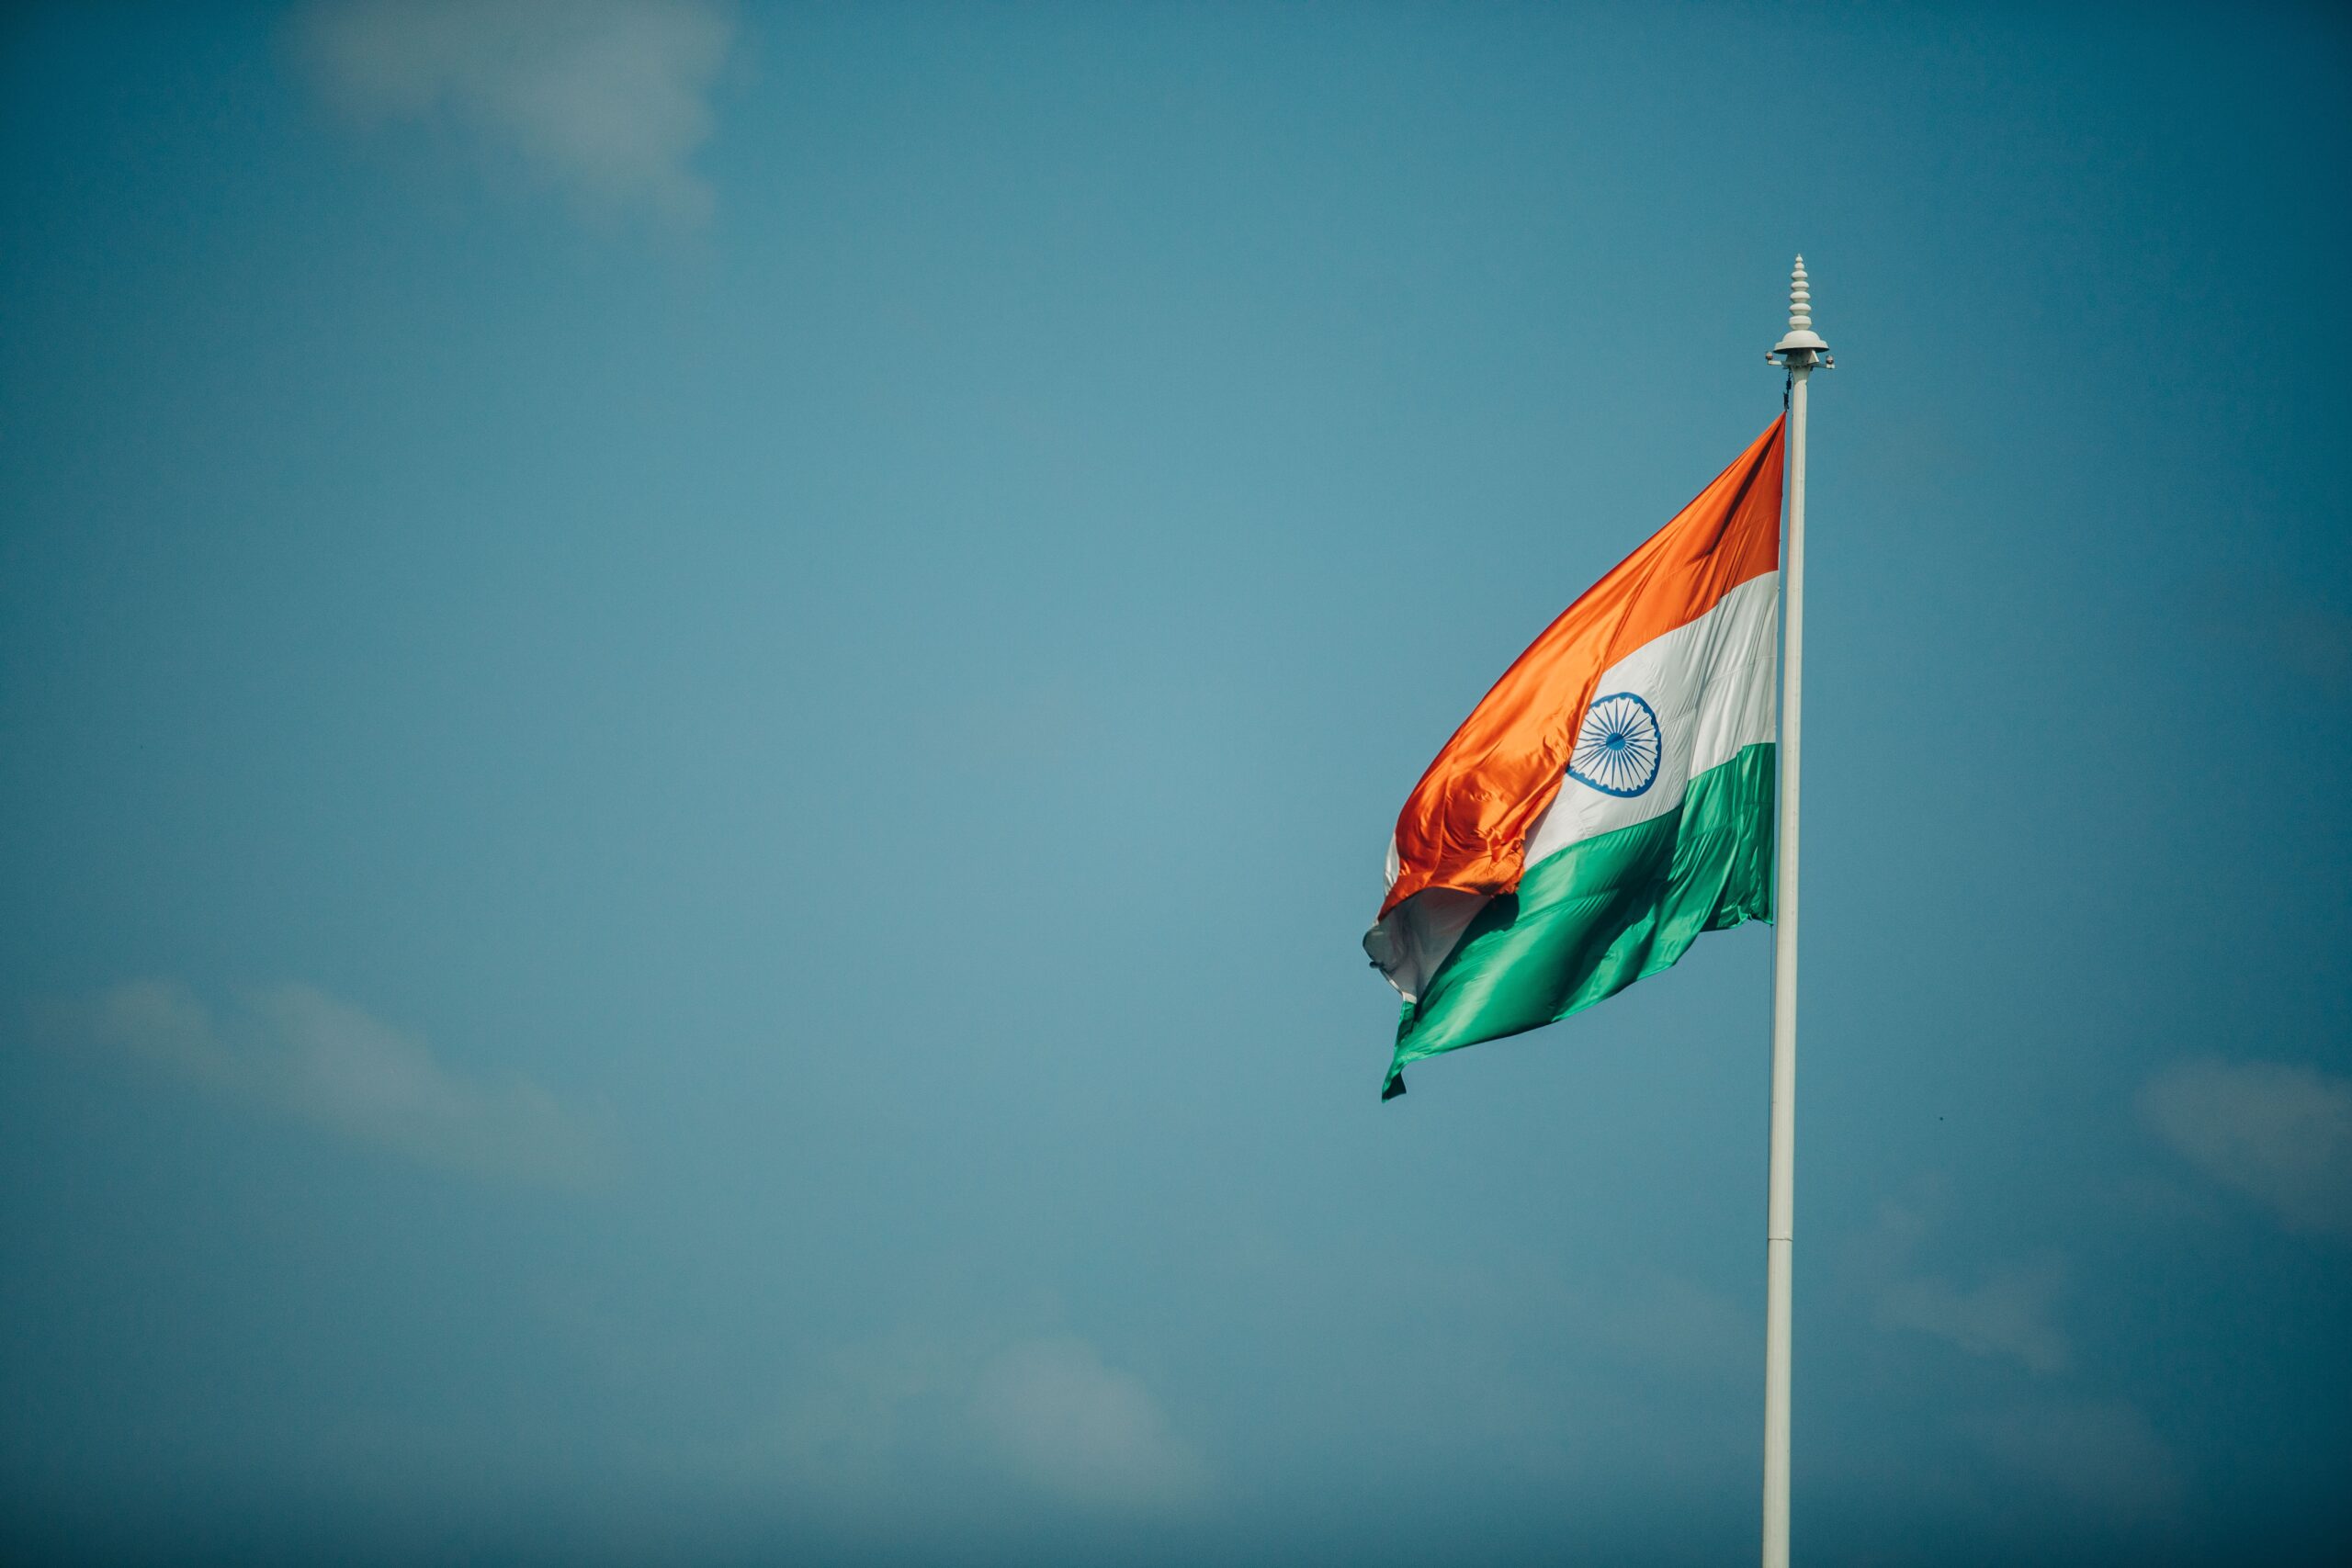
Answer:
(1590, 920)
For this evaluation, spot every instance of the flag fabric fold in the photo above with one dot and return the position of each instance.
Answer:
(1609, 798)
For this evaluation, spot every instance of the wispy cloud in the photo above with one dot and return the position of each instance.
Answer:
(2280, 1133)
(2101, 1456)
(2009, 1315)
(1046, 1413)
(1088, 1433)
(296, 1051)
(608, 98)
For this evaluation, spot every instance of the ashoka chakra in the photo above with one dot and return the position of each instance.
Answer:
(1617, 746)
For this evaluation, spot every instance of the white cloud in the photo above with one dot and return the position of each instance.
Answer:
(2277, 1133)
(874, 1405)
(609, 98)
(913, 1416)
(2103, 1457)
(1083, 1431)
(2008, 1315)
(299, 1052)
(2011, 1315)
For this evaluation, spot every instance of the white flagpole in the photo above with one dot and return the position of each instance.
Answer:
(1801, 351)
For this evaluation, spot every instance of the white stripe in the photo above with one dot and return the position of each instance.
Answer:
(1710, 685)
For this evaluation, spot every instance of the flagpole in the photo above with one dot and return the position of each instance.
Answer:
(1801, 351)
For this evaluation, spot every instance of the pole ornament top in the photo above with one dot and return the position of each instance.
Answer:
(1801, 348)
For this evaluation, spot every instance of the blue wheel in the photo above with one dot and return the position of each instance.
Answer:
(1618, 746)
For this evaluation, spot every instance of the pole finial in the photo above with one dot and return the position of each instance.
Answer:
(1803, 347)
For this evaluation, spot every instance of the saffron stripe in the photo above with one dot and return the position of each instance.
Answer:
(1467, 822)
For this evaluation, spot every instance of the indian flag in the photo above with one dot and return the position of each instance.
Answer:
(1611, 796)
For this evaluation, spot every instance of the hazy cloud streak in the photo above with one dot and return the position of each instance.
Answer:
(297, 1051)
(2277, 1133)
(1086, 1432)
(2101, 1456)
(608, 98)
(912, 1412)
(2010, 1315)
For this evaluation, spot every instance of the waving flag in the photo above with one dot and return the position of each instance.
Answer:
(1611, 796)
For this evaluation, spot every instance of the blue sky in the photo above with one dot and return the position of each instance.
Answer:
(698, 707)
